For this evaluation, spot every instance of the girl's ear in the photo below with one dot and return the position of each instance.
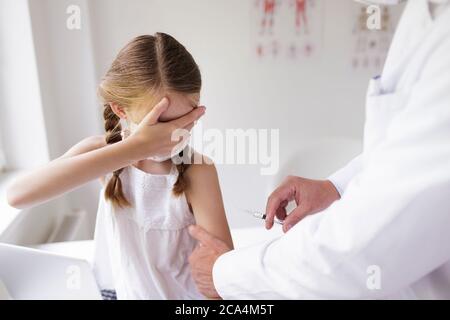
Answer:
(118, 110)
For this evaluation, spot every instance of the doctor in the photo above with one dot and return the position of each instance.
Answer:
(385, 230)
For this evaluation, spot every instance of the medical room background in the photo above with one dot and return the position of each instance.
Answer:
(262, 67)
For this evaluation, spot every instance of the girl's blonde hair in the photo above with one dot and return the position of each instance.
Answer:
(146, 65)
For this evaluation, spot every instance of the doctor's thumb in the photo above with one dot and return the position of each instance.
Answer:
(201, 235)
(207, 239)
(193, 231)
(293, 218)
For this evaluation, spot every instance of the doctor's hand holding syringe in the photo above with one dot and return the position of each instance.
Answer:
(310, 196)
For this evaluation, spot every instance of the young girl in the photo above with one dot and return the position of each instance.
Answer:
(146, 207)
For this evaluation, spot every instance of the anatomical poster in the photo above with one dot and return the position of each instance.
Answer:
(371, 44)
(287, 29)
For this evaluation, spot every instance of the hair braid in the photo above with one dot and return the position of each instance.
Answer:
(113, 190)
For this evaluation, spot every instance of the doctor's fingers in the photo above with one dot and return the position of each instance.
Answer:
(277, 201)
(286, 191)
(199, 253)
(281, 211)
(206, 239)
(294, 217)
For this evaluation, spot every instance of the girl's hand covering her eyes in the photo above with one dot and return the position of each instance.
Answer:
(153, 137)
(92, 158)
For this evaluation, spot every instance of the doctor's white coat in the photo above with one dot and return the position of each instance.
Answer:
(389, 234)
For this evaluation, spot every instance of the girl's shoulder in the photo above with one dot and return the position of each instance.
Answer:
(201, 170)
(200, 164)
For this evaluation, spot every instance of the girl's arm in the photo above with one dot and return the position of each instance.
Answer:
(204, 195)
(88, 160)
(85, 145)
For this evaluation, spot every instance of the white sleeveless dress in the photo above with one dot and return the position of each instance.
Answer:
(142, 251)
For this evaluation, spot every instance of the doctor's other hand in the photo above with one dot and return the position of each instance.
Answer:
(310, 196)
(153, 138)
(202, 260)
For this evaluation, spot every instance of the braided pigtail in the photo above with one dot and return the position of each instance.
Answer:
(113, 190)
(181, 184)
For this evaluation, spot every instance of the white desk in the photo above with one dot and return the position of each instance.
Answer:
(74, 249)
(8, 214)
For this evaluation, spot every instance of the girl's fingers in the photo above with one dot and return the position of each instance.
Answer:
(192, 124)
(153, 116)
(189, 126)
(190, 118)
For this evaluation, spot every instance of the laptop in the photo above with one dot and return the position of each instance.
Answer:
(31, 274)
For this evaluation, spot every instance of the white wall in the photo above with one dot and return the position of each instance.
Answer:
(21, 114)
(22, 122)
(68, 87)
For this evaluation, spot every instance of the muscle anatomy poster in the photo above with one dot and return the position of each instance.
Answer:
(373, 29)
(287, 29)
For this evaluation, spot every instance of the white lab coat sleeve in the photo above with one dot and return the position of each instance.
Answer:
(341, 178)
(390, 228)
